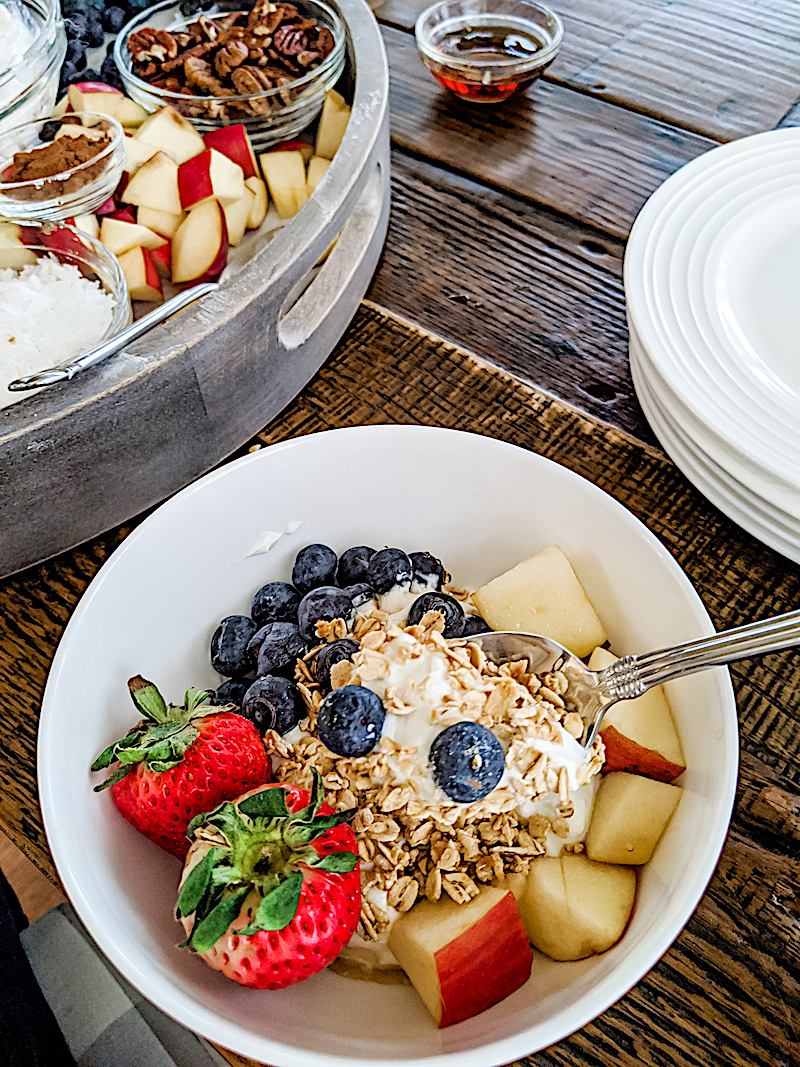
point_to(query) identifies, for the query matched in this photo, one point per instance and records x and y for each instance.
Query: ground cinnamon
(55, 159)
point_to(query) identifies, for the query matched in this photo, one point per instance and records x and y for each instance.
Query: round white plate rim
(729, 496)
(238, 1038)
(674, 337)
(773, 493)
(658, 212)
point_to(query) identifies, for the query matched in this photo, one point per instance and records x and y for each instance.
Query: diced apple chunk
(207, 175)
(119, 236)
(234, 142)
(258, 209)
(542, 595)
(137, 153)
(317, 167)
(87, 224)
(236, 216)
(155, 185)
(171, 133)
(163, 222)
(200, 246)
(141, 274)
(640, 735)
(13, 252)
(630, 815)
(332, 124)
(574, 907)
(285, 173)
(463, 958)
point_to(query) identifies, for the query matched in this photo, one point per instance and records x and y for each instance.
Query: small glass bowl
(24, 242)
(75, 191)
(269, 116)
(486, 50)
(29, 78)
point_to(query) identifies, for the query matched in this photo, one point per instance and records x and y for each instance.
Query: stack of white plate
(712, 284)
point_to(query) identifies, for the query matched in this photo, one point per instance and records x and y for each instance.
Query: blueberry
(113, 19)
(335, 652)
(273, 703)
(350, 720)
(315, 566)
(275, 602)
(359, 593)
(388, 568)
(90, 75)
(353, 565)
(190, 7)
(70, 73)
(468, 761)
(76, 53)
(229, 653)
(95, 34)
(109, 73)
(231, 692)
(275, 646)
(428, 570)
(75, 27)
(474, 624)
(325, 603)
(447, 605)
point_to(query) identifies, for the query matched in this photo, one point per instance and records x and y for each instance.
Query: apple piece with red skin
(105, 101)
(170, 132)
(258, 208)
(124, 214)
(96, 87)
(141, 274)
(162, 257)
(234, 142)
(639, 735)
(120, 236)
(200, 245)
(155, 184)
(13, 252)
(210, 175)
(107, 207)
(463, 958)
(305, 148)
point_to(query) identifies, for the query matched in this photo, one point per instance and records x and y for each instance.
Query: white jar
(32, 49)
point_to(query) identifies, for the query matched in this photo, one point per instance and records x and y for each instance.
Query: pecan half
(198, 72)
(152, 44)
(230, 57)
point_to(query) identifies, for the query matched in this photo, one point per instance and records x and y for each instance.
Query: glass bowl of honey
(486, 50)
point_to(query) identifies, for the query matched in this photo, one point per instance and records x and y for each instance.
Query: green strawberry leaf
(195, 698)
(197, 882)
(147, 699)
(105, 759)
(113, 778)
(270, 804)
(206, 933)
(302, 833)
(279, 907)
(224, 817)
(336, 863)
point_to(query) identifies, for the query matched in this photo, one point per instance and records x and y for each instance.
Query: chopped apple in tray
(155, 185)
(463, 958)
(210, 175)
(141, 274)
(639, 735)
(200, 246)
(171, 133)
(542, 595)
(285, 174)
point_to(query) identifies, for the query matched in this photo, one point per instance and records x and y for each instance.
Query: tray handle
(306, 314)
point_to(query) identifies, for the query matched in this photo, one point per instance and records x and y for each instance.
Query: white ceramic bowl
(481, 506)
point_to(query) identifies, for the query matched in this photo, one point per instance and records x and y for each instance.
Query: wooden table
(498, 307)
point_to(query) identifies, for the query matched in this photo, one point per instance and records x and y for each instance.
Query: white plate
(731, 497)
(481, 506)
(701, 367)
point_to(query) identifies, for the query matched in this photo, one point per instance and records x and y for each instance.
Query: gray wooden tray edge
(80, 459)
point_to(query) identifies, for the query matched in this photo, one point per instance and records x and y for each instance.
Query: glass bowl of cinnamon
(59, 169)
(265, 65)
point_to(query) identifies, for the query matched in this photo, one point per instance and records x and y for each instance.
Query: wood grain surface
(726, 992)
(723, 68)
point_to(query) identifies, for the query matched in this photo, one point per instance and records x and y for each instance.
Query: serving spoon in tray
(591, 693)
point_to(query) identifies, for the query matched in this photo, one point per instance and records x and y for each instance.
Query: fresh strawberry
(271, 891)
(179, 762)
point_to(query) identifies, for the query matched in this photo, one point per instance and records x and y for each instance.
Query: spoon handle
(632, 675)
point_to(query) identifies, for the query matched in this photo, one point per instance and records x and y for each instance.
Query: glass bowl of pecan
(60, 168)
(265, 65)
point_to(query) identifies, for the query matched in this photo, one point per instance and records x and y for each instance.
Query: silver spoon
(592, 692)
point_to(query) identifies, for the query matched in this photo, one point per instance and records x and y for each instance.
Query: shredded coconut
(48, 313)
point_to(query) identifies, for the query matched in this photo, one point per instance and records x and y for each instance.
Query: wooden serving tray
(79, 458)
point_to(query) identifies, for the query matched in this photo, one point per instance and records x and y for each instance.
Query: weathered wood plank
(586, 158)
(536, 294)
(723, 68)
(726, 993)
